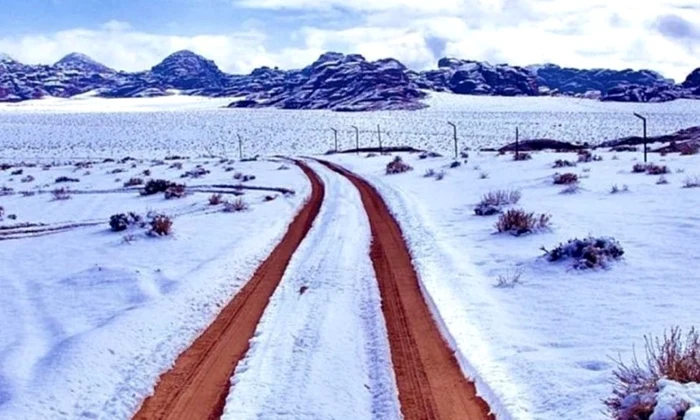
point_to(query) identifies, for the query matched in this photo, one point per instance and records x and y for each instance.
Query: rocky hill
(335, 81)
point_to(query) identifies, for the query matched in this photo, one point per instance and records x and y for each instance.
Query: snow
(544, 348)
(324, 353)
(674, 397)
(91, 320)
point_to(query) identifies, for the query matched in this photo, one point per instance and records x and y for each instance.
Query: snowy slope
(89, 320)
(543, 349)
(323, 353)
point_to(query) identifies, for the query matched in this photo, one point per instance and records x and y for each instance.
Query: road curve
(195, 388)
(430, 382)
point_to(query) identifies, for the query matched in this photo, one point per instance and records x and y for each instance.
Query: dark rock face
(334, 81)
(477, 78)
(687, 135)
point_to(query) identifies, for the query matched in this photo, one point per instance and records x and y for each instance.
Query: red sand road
(430, 382)
(197, 385)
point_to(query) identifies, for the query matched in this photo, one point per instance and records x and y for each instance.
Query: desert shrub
(671, 357)
(688, 149)
(561, 163)
(426, 155)
(692, 182)
(509, 280)
(371, 155)
(155, 186)
(235, 206)
(483, 175)
(571, 189)
(5, 166)
(17, 172)
(464, 154)
(522, 156)
(639, 168)
(175, 165)
(197, 172)
(4, 190)
(121, 221)
(397, 166)
(238, 175)
(175, 191)
(27, 178)
(215, 199)
(517, 222)
(2, 212)
(133, 182)
(247, 178)
(161, 225)
(429, 173)
(653, 169)
(146, 172)
(662, 180)
(455, 164)
(565, 178)
(616, 190)
(61, 193)
(175, 157)
(585, 156)
(493, 202)
(116, 171)
(587, 253)
(61, 179)
(283, 168)
(107, 160)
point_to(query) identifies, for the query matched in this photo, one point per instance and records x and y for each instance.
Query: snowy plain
(545, 349)
(90, 318)
(95, 127)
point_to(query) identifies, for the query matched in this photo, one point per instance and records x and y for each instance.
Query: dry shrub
(509, 280)
(657, 169)
(215, 199)
(517, 222)
(624, 149)
(175, 191)
(121, 222)
(155, 186)
(522, 156)
(27, 178)
(587, 253)
(146, 172)
(565, 178)
(197, 172)
(235, 206)
(561, 163)
(17, 172)
(161, 225)
(616, 190)
(4, 190)
(639, 168)
(283, 168)
(571, 189)
(692, 182)
(61, 193)
(176, 165)
(688, 149)
(662, 180)
(483, 175)
(133, 182)
(429, 173)
(494, 201)
(61, 179)
(397, 166)
(440, 176)
(669, 357)
(585, 156)
(455, 164)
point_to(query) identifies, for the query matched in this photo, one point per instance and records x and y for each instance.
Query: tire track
(197, 385)
(430, 382)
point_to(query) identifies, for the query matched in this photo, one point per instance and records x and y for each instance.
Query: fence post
(379, 135)
(517, 142)
(454, 128)
(644, 123)
(357, 139)
(240, 147)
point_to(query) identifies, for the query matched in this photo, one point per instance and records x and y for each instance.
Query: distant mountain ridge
(335, 81)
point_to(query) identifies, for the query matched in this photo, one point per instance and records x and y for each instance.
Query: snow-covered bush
(653, 169)
(509, 280)
(4, 190)
(522, 156)
(688, 149)
(235, 206)
(176, 165)
(585, 156)
(663, 386)
(133, 182)
(426, 155)
(121, 222)
(397, 166)
(565, 178)
(518, 222)
(624, 149)
(562, 163)
(197, 172)
(429, 173)
(146, 172)
(455, 164)
(155, 186)
(692, 182)
(17, 172)
(175, 191)
(616, 190)
(440, 176)
(61, 193)
(493, 202)
(572, 189)
(587, 253)
(662, 180)
(483, 175)
(27, 178)
(161, 225)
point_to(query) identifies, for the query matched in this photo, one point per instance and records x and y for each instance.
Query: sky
(240, 35)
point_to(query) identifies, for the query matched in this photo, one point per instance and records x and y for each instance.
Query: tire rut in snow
(196, 386)
(430, 382)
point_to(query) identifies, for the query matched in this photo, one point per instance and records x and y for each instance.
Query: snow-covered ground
(322, 352)
(544, 348)
(90, 317)
(145, 127)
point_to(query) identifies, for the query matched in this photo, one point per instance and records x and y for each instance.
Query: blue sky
(662, 35)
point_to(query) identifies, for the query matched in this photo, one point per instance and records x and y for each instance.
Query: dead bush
(61, 194)
(155, 186)
(175, 191)
(175, 165)
(585, 156)
(587, 253)
(639, 168)
(653, 169)
(397, 166)
(509, 280)
(493, 202)
(689, 149)
(671, 357)
(692, 182)
(565, 178)
(518, 222)
(235, 206)
(624, 149)
(161, 225)
(561, 163)
(17, 172)
(197, 172)
(455, 164)
(27, 179)
(215, 199)
(440, 176)
(133, 182)
(518, 157)
(429, 173)
(483, 175)
(616, 190)
(571, 189)
(146, 172)
(662, 180)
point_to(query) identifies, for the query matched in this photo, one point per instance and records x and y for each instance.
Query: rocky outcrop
(687, 135)
(477, 78)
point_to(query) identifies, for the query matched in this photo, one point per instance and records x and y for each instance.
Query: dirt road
(197, 385)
